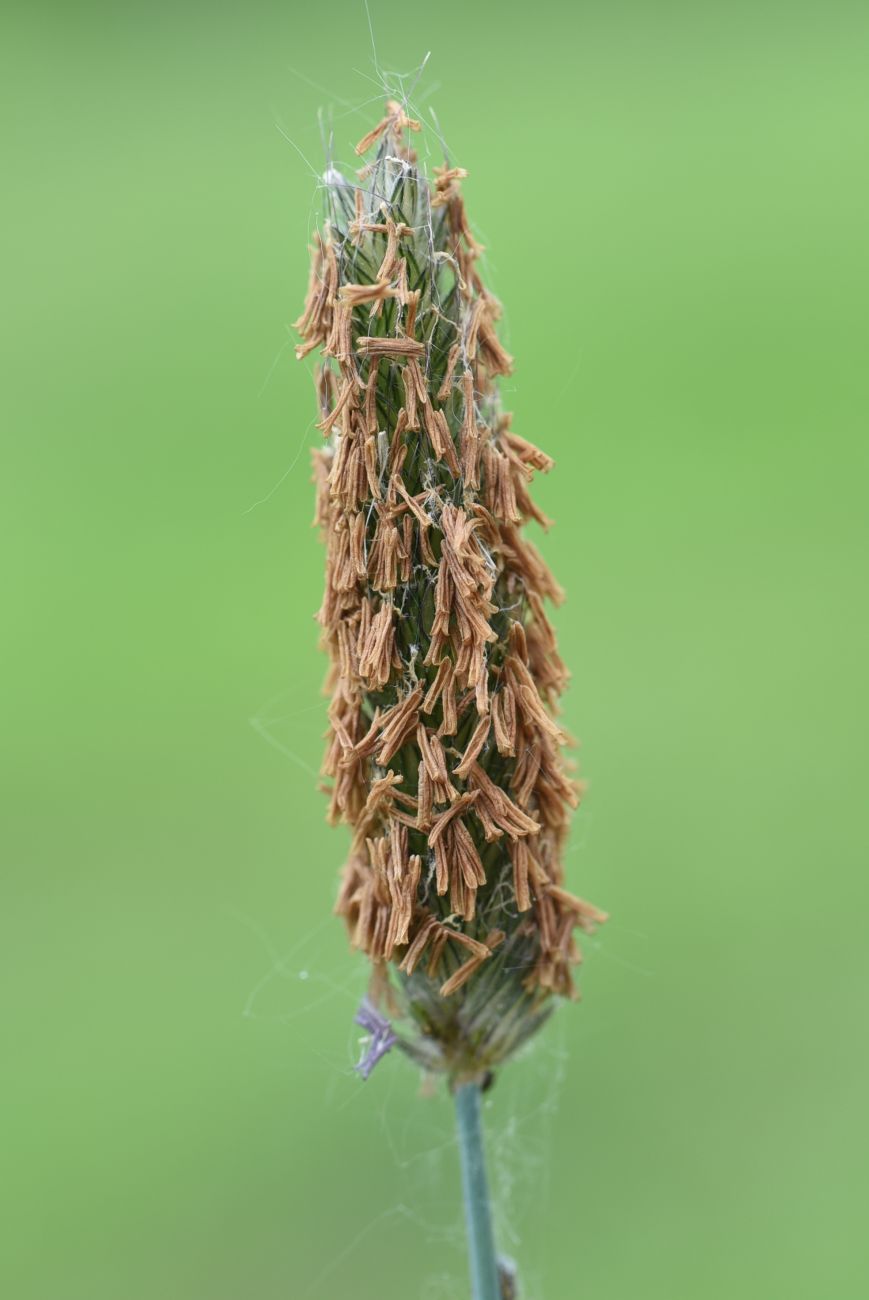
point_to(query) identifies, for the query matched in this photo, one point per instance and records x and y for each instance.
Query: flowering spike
(443, 752)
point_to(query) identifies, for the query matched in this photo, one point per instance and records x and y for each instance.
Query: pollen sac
(444, 754)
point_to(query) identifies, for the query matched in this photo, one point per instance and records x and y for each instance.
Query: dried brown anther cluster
(443, 752)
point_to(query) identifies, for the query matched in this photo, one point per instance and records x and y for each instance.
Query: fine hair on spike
(444, 754)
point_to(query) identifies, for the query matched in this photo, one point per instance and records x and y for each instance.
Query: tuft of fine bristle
(443, 751)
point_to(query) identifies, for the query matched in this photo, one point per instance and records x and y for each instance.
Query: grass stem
(478, 1213)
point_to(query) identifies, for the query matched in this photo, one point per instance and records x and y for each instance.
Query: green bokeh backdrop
(675, 201)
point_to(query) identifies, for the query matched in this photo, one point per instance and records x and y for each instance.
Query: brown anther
(377, 346)
(395, 120)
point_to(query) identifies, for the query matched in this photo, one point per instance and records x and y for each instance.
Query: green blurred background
(675, 201)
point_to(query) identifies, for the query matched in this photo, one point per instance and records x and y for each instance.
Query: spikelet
(444, 754)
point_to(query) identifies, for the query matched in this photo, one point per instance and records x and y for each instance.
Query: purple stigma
(381, 1037)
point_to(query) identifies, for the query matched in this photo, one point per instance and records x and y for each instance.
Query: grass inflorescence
(444, 754)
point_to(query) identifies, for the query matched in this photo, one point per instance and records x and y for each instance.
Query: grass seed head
(444, 754)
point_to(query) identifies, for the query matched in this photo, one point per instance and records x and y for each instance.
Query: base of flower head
(487, 1020)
